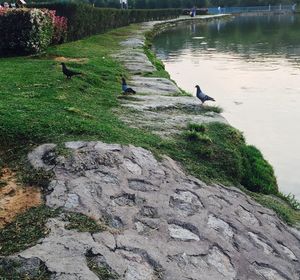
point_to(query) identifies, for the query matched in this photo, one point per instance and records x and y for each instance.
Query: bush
(258, 173)
(85, 20)
(60, 28)
(25, 31)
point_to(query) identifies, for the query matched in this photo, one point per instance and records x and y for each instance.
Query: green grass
(218, 152)
(216, 109)
(38, 104)
(82, 223)
(283, 209)
(25, 230)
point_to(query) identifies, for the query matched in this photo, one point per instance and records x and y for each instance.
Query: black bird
(126, 89)
(202, 96)
(69, 73)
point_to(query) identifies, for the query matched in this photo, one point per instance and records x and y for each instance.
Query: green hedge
(222, 153)
(25, 31)
(85, 20)
(258, 173)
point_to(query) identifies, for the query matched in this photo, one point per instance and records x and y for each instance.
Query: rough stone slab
(37, 157)
(163, 222)
(133, 43)
(156, 86)
(156, 93)
(136, 61)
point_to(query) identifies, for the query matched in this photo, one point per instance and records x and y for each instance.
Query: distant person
(294, 7)
(219, 10)
(193, 12)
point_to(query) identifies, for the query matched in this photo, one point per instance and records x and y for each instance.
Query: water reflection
(252, 66)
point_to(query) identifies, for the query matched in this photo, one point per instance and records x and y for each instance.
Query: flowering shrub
(25, 31)
(60, 28)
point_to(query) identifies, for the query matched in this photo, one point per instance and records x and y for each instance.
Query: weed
(83, 223)
(197, 127)
(290, 199)
(285, 212)
(35, 177)
(207, 108)
(102, 272)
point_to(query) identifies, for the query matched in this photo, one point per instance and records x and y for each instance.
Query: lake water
(251, 66)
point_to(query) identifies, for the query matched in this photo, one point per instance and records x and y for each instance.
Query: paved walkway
(159, 104)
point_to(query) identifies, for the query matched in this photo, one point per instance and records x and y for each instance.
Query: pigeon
(202, 96)
(69, 73)
(125, 88)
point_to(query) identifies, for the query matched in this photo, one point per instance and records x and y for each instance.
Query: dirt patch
(14, 198)
(69, 59)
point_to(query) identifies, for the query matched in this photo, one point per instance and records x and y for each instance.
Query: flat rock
(158, 101)
(163, 223)
(156, 86)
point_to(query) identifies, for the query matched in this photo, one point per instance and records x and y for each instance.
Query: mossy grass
(102, 272)
(25, 230)
(209, 108)
(12, 270)
(83, 223)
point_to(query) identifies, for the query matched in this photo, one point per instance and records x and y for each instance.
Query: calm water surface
(251, 66)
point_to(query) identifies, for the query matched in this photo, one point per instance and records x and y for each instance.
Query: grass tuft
(208, 108)
(102, 272)
(197, 127)
(83, 223)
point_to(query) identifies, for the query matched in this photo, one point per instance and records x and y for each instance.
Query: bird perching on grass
(69, 73)
(202, 96)
(126, 89)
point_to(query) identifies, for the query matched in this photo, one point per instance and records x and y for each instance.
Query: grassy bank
(38, 105)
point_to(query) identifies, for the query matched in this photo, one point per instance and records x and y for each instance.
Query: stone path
(158, 105)
(163, 223)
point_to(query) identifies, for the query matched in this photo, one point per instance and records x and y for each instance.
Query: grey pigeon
(125, 88)
(202, 96)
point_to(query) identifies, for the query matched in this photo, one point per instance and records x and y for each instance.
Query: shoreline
(285, 177)
(144, 37)
(121, 202)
